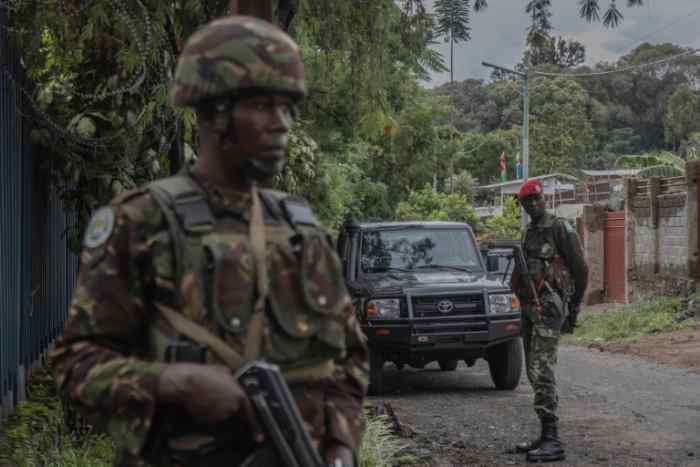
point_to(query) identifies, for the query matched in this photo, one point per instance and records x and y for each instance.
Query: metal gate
(37, 271)
(615, 258)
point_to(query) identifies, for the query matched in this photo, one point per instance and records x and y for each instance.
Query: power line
(630, 40)
(663, 28)
(619, 70)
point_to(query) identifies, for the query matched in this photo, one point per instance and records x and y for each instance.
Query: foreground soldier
(199, 246)
(557, 267)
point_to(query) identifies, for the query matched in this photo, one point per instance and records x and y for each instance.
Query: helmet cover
(236, 55)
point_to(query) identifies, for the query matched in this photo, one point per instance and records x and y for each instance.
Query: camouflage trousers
(541, 333)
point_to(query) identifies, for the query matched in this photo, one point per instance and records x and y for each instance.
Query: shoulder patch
(100, 228)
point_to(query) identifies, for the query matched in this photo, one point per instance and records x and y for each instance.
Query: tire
(506, 364)
(448, 365)
(376, 372)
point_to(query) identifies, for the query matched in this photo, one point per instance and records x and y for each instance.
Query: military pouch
(185, 351)
(228, 287)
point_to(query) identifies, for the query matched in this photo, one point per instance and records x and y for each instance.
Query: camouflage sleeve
(569, 246)
(345, 393)
(344, 396)
(96, 360)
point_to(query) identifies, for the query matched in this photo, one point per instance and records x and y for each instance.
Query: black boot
(528, 446)
(550, 449)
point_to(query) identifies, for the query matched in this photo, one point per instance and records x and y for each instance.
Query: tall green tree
(560, 127)
(453, 23)
(682, 115)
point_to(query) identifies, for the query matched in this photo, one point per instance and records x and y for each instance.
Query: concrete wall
(672, 234)
(661, 233)
(641, 233)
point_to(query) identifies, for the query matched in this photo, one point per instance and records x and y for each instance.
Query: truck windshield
(409, 249)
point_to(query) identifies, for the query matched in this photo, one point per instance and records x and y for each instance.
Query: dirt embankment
(677, 349)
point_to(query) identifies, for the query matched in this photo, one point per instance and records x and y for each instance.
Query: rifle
(521, 264)
(291, 445)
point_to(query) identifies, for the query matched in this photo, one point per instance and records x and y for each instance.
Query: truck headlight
(387, 308)
(503, 303)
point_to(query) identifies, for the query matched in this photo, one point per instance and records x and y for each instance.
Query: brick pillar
(594, 218)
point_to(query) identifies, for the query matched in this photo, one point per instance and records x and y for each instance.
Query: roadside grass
(35, 436)
(630, 322)
(380, 447)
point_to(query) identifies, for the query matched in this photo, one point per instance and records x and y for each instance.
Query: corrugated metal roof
(612, 172)
(520, 181)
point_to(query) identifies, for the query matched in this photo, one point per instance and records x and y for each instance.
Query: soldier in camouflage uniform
(247, 268)
(557, 267)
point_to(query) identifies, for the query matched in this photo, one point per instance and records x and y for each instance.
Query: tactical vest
(213, 270)
(544, 261)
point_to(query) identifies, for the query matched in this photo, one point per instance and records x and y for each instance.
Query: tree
(462, 183)
(453, 23)
(638, 100)
(506, 225)
(540, 26)
(475, 109)
(555, 51)
(428, 205)
(482, 150)
(560, 128)
(682, 115)
(590, 11)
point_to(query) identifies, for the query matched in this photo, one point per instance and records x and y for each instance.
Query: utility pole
(526, 123)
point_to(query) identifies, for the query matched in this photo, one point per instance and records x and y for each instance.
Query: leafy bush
(632, 321)
(427, 205)
(35, 435)
(505, 226)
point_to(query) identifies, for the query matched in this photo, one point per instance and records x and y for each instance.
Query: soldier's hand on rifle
(338, 455)
(569, 324)
(209, 393)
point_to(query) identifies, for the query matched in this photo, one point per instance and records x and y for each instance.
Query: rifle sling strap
(203, 336)
(233, 359)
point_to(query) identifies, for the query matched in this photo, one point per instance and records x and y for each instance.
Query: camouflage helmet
(236, 55)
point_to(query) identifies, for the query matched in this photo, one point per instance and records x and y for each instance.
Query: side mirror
(492, 263)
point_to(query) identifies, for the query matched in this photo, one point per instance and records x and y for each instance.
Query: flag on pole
(502, 167)
(518, 167)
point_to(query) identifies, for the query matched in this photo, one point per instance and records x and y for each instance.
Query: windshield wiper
(444, 266)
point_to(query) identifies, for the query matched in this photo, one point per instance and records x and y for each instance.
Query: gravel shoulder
(616, 410)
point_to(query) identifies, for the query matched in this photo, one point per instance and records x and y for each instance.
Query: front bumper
(421, 334)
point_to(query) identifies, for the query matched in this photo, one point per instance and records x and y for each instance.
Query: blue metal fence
(37, 271)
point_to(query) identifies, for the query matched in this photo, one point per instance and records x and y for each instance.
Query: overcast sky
(498, 33)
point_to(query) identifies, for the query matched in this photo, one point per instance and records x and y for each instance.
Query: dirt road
(616, 410)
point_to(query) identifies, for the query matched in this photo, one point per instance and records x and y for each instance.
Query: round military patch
(100, 228)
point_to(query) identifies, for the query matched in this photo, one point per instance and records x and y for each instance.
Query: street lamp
(526, 122)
